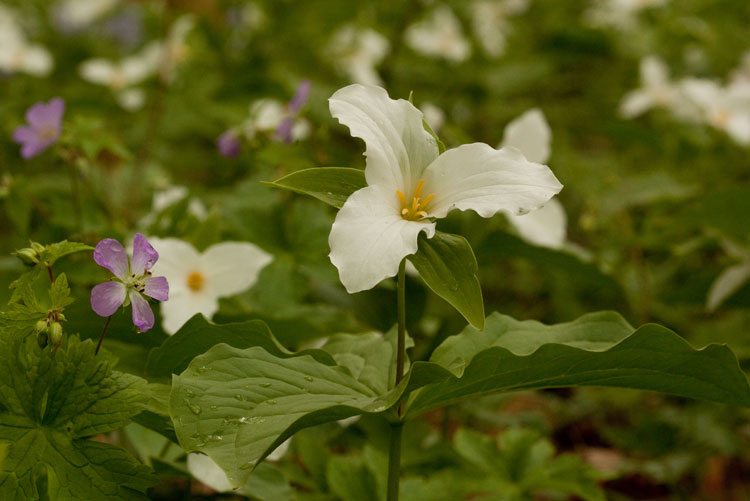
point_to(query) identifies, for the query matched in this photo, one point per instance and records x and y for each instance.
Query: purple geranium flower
(229, 144)
(284, 130)
(133, 280)
(43, 129)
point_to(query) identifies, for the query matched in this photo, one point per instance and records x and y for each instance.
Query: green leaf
(331, 185)
(50, 402)
(59, 293)
(350, 480)
(237, 405)
(598, 349)
(53, 252)
(448, 267)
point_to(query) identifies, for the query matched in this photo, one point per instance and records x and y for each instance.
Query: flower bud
(55, 333)
(37, 247)
(41, 326)
(27, 256)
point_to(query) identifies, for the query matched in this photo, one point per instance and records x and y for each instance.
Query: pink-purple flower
(43, 129)
(132, 281)
(229, 144)
(284, 130)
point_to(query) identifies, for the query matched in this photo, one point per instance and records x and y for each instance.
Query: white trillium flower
(356, 53)
(16, 53)
(433, 115)
(531, 135)
(490, 25)
(622, 14)
(74, 15)
(266, 115)
(409, 184)
(725, 108)
(656, 89)
(174, 48)
(198, 280)
(439, 35)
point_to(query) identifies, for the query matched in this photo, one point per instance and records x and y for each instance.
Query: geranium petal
(398, 148)
(110, 254)
(232, 267)
(107, 297)
(369, 238)
(25, 134)
(545, 227)
(157, 288)
(480, 178)
(143, 317)
(144, 255)
(182, 305)
(530, 134)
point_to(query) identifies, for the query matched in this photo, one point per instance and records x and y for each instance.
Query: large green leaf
(50, 403)
(448, 267)
(598, 349)
(331, 185)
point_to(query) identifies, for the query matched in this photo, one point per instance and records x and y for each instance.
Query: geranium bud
(55, 333)
(27, 256)
(41, 326)
(37, 247)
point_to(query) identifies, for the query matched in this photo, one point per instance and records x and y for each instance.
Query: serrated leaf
(53, 252)
(59, 293)
(50, 402)
(447, 265)
(598, 349)
(236, 405)
(331, 185)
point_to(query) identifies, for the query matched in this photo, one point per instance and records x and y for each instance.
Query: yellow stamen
(195, 281)
(414, 210)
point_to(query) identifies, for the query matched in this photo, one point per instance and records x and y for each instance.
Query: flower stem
(51, 275)
(394, 461)
(401, 306)
(101, 337)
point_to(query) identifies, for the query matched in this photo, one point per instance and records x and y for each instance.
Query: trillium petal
(143, 317)
(110, 254)
(182, 305)
(654, 71)
(545, 227)
(156, 287)
(144, 255)
(480, 178)
(232, 267)
(177, 259)
(369, 238)
(635, 102)
(398, 148)
(107, 297)
(531, 135)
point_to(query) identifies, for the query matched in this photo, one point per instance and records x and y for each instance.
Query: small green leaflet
(447, 265)
(331, 185)
(50, 403)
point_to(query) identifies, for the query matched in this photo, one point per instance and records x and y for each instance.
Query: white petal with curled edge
(480, 178)
(529, 133)
(545, 227)
(398, 148)
(369, 238)
(232, 267)
(182, 305)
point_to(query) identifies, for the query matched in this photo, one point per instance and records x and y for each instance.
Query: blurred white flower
(732, 278)
(439, 35)
(168, 197)
(433, 115)
(622, 14)
(265, 117)
(174, 48)
(741, 74)
(73, 15)
(723, 107)
(16, 53)
(356, 52)
(121, 77)
(546, 226)
(490, 24)
(197, 280)
(656, 89)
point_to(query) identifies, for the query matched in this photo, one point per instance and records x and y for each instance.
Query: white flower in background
(123, 76)
(265, 117)
(206, 471)
(433, 115)
(531, 134)
(409, 185)
(17, 55)
(439, 35)
(732, 278)
(74, 15)
(168, 197)
(174, 48)
(622, 14)
(741, 74)
(656, 89)
(197, 280)
(725, 108)
(356, 52)
(489, 20)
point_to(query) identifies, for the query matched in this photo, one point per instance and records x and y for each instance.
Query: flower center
(195, 281)
(415, 209)
(721, 118)
(47, 133)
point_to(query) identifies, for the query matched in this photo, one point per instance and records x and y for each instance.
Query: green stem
(394, 461)
(401, 306)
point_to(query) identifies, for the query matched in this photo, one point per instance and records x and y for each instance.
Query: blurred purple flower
(43, 129)
(284, 130)
(229, 144)
(133, 281)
